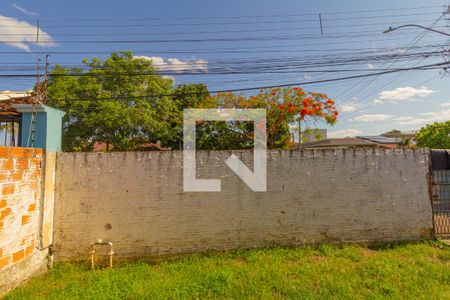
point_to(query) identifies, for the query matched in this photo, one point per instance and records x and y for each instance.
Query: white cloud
(372, 118)
(397, 50)
(348, 107)
(409, 120)
(24, 10)
(402, 94)
(445, 104)
(344, 133)
(401, 119)
(437, 116)
(424, 118)
(20, 34)
(176, 65)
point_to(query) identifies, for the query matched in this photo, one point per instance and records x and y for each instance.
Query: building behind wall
(10, 118)
(313, 135)
(26, 122)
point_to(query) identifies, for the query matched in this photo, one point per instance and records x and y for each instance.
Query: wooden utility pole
(300, 134)
(320, 21)
(37, 31)
(32, 130)
(44, 88)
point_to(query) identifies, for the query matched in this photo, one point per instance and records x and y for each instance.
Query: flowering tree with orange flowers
(285, 107)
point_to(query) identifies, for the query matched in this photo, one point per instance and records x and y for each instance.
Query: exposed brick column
(20, 188)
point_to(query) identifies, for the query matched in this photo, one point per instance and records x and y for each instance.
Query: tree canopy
(285, 107)
(436, 136)
(126, 117)
(123, 102)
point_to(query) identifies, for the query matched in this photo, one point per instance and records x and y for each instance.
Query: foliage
(396, 271)
(130, 115)
(188, 96)
(405, 140)
(392, 133)
(193, 96)
(127, 118)
(284, 107)
(435, 136)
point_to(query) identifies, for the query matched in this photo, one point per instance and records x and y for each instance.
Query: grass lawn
(418, 270)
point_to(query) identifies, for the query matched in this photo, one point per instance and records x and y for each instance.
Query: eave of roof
(339, 142)
(379, 139)
(13, 95)
(8, 98)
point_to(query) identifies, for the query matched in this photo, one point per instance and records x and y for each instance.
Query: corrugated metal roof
(9, 98)
(13, 95)
(379, 139)
(339, 142)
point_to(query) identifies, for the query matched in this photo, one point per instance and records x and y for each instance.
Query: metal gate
(440, 161)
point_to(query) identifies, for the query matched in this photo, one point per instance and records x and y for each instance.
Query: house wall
(135, 200)
(20, 223)
(48, 125)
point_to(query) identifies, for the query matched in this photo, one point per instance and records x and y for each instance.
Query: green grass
(418, 270)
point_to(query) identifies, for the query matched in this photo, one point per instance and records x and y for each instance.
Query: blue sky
(222, 33)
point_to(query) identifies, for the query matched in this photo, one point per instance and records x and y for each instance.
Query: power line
(336, 53)
(438, 65)
(222, 31)
(186, 40)
(248, 67)
(222, 23)
(252, 16)
(408, 47)
(194, 51)
(175, 73)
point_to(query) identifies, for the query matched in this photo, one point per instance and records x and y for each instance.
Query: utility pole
(37, 31)
(32, 132)
(320, 21)
(300, 140)
(44, 88)
(38, 78)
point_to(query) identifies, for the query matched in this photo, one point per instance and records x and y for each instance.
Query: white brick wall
(135, 199)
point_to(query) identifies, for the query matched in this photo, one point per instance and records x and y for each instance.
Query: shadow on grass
(326, 249)
(380, 246)
(348, 250)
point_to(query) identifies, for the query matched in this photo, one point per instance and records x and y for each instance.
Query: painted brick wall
(20, 187)
(135, 200)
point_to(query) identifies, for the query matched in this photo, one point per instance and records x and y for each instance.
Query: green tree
(392, 133)
(435, 136)
(193, 96)
(127, 118)
(209, 135)
(189, 96)
(129, 115)
(284, 107)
